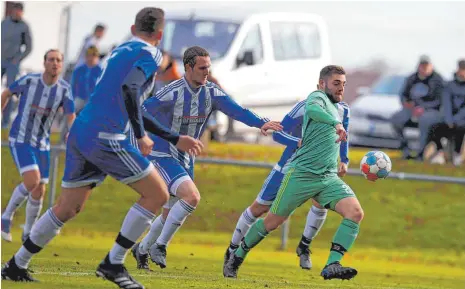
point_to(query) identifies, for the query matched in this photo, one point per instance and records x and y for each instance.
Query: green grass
(195, 260)
(412, 234)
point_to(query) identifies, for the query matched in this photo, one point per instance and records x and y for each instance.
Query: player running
(312, 173)
(40, 97)
(291, 138)
(97, 146)
(185, 106)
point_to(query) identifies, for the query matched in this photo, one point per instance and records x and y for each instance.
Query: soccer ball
(375, 165)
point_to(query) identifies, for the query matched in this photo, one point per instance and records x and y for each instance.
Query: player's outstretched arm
(315, 111)
(229, 107)
(289, 122)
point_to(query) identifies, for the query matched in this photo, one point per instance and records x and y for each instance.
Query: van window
(295, 40)
(253, 42)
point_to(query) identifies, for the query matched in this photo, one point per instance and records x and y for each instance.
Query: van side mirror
(247, 59)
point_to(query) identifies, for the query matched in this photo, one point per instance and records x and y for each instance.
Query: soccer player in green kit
(313, 174)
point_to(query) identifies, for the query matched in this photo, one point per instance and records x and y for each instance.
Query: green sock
(343, 239)
(254, 236)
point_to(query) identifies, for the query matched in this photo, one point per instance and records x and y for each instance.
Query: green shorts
(298, 187)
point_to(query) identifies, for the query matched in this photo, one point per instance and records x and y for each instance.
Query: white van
(266, 62)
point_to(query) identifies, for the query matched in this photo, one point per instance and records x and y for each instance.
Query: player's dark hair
(149, 20)
(52, 50)
(99, 27)
(191, 53)
(329, 70)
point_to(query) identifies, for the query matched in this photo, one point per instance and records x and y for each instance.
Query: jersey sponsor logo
(192, 119)
(42, 110)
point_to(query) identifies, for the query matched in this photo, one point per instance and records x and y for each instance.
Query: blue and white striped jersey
(186, 112)
(292, 131)
(38, 105)
(106, 110)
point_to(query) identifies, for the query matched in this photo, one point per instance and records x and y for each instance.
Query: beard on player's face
(331, 95)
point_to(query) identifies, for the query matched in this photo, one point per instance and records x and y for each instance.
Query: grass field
(411, 237)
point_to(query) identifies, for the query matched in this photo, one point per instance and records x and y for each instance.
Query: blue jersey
(106, 110)
(292, 131)
(186, 112)
(38, 105)
(83, 81)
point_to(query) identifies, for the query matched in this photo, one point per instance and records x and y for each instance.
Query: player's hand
(145, 145)
(341, 132)
(190, 145)
(342, 170)
(274, 125)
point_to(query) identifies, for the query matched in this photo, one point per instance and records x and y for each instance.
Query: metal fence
(56, 150)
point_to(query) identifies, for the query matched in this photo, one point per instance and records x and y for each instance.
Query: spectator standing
(91, 40)
(16, 45)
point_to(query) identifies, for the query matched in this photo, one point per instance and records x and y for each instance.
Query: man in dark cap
(421, 100)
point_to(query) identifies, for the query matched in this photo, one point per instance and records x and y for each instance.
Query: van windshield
(214, 36)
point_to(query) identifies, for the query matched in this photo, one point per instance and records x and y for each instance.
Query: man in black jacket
(421, 100)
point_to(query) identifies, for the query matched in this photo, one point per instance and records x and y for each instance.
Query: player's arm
(283, 137)
(6, 94)
(68, 108)
(131, 93)
(315, 109)
(228, 106)
(344, 149)
(15, 88)
(152, 125)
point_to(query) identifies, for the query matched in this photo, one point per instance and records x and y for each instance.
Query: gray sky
(359, 31)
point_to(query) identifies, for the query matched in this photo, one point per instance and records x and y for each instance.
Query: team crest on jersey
(208, 101)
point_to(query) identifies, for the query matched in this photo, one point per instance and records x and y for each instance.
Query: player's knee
(258, 209)
(38, 192)
(356, 214)
(193, 198)
(31, 182)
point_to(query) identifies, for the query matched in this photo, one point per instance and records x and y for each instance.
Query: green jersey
(319, 151)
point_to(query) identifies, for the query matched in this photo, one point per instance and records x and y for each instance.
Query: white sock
(18, 197)
(134, 225)
(46, 228)
(151, 237)
(33, 208)
(176, 217)
(315, 220)
(246, 220)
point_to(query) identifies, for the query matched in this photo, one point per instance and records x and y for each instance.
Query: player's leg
(315, 219)
(184, 188)
(260, 206)
(125, 163)
(28, 166)
(140, 251)
(295, 189)
(399, 120)
(339, 197)
(36, 198)
(76, 188)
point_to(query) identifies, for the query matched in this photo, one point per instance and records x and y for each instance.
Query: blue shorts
(29, 158)
(90, 158)
(270, 188)
(172, 172)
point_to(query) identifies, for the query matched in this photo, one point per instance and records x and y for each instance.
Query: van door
(297, 51)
